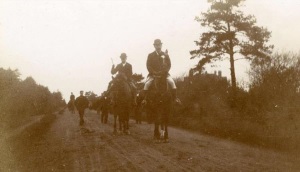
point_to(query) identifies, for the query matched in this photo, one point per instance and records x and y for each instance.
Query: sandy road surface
(64, 146)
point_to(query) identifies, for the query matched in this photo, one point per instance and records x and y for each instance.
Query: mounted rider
(159, 64)
(125, 69)
(71, 103)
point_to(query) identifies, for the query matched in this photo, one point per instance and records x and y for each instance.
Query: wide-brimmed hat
(123, 55)
(157, 42)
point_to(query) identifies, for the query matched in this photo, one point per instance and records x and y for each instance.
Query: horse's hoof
(166, 141)
(157, 140)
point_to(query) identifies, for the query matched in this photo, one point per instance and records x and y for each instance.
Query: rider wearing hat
(123, 68)
(159, 63)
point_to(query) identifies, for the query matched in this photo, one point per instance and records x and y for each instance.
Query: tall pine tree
(230, 34)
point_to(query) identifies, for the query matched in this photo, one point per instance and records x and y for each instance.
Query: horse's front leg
(115, 124)
(156, 128)
(156, 131)
(120, 123)
(165, 123)
(162, 130)
(126, 122)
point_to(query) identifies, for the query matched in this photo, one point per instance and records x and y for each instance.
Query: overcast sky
(68, 45)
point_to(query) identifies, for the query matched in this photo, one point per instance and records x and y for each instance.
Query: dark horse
(122, 97)
(159, 102)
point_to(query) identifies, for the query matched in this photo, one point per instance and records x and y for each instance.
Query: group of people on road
(81, 103)
(158, 64)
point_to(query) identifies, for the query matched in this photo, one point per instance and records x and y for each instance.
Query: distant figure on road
(105, 107)
(81, 104)
(72, 97)
(71, 104)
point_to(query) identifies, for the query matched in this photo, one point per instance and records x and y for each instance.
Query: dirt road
(64, 146)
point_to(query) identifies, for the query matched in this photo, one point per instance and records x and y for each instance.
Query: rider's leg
(171, 82)
(147, 86)
(173, 88)
(81, 113)
(148, 83)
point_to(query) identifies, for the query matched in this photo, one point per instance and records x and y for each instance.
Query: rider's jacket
(158, 62)
(105, 104)
(123, 68)
(81, 103)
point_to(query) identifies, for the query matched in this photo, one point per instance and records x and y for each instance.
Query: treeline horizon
(22, 99)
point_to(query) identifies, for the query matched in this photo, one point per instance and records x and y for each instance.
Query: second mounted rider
(159, 64)
(125, 69)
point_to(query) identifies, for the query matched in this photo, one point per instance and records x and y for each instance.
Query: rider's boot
(174, 96)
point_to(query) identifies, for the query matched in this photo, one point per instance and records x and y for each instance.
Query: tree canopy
(230, 34)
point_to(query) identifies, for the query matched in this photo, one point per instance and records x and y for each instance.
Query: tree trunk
(232, 72)
(232, 69)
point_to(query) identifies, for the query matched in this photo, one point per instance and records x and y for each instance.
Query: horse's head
(120, 88)
(121, 77)
(160, 84)
(159, 89)
(117, 81)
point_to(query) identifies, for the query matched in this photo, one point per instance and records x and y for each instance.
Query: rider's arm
(167, 66)
(114, 69)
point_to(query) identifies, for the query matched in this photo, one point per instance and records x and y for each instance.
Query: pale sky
(67, 45)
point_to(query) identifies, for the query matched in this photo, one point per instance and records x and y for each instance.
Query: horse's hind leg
(120, 123)
(156, 131)
(166, 135)
(126, 122)
(115, 124)
(165, 122)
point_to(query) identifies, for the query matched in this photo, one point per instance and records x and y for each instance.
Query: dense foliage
(266, 114)
(21, 99)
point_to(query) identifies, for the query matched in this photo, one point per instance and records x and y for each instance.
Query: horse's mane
(120, 88)
(159, 90)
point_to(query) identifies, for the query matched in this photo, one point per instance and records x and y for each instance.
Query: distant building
(193, 74)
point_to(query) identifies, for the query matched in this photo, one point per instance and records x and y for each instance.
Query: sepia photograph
(149, 85)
